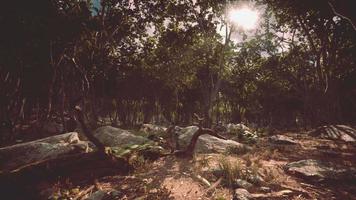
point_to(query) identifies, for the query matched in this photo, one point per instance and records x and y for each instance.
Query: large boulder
(18, 155)
(116, 137)
(316, 170)
(206, 143)
(335, 132)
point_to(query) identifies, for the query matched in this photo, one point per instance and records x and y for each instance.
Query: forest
(178, 99)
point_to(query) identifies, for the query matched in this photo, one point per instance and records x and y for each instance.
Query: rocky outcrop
(206, 143)
(335, 132)
(315, 170)
(116, 137)
(15, 156)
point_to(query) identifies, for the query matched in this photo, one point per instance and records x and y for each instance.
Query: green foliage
(220, 198)
(153, 61)
(137, 154)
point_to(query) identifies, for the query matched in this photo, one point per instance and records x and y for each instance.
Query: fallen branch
(213, 186)
(189, 150)
(84, 165)
(84, 192)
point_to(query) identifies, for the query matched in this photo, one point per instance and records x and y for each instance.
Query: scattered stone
(242, 132)
(241, 194)
(116, 137)
(265, 189)
(104, 194)
(282, 140)
(255, 179)
(318, 171)
(233, 128)
(17, 155)
(152, 191)
(115, 193)
(152, 128)
(206, 143)
(98, 195)
(335, 132)
(240, 183)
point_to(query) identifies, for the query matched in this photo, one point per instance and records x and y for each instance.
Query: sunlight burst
(244, 17)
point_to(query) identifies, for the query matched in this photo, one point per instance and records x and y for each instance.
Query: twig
(213, 186)
(84, 192)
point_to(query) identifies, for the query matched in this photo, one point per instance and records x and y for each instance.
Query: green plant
(220, 198)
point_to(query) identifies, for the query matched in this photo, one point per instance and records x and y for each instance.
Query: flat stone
(318, 171)
(240, 183)
(241, 194)
(282, 140)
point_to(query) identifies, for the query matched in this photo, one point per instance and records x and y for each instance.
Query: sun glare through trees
(244, 17)
(178, 99)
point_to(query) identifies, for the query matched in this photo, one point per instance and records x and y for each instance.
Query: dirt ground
(173, 178)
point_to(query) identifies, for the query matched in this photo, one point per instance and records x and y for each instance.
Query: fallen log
(79, 167)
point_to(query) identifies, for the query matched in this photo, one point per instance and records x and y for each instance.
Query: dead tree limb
(87, 132)
(343, 9)
(189, 150)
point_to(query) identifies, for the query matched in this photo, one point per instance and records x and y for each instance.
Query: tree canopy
(163, 60)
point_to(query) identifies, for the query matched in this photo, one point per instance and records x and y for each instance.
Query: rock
(14, 156)
(255, 179)
(241, 194)
(235, 128)
(265, 189)
(98, 195)
(105, 121)
(152, 128)
(206, 143)
(242, 132)
(116, 137)
(104, 194)
(240, 183)
(335, 132)
(318, 171)
(282, 140)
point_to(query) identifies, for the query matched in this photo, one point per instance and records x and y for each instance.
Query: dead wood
(189, 150)
(86, 130)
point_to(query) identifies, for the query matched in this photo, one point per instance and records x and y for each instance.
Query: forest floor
(173, 178)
